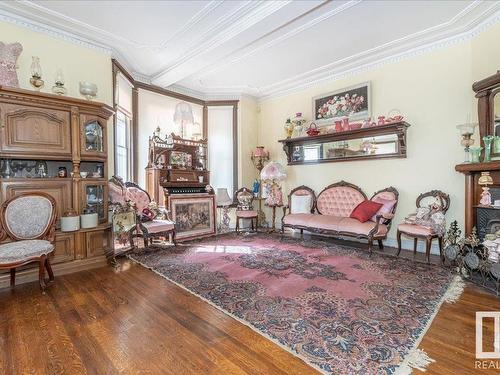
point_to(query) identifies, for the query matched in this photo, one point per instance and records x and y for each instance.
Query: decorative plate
(451, 252)
(471, 260)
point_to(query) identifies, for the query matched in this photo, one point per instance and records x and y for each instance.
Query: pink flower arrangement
(341, 106)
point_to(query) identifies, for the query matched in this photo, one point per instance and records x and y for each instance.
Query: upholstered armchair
(155, 228)
(29, 221)
(244, 208)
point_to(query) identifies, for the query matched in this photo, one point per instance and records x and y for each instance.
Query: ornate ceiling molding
(473, 20)
(389, 53)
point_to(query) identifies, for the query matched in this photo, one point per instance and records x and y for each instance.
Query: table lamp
(224, 201)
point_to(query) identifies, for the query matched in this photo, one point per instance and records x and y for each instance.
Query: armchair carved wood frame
(28, 219)
(427, 235)
(151, 229)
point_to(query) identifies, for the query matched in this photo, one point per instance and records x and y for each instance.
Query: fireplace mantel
(472, 172)
(468, 168)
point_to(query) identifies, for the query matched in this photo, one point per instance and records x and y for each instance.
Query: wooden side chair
(418, 231)
(244, 208)
(148, 230)
(29, 221)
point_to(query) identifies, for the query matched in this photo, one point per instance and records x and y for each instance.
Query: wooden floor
(132, 321)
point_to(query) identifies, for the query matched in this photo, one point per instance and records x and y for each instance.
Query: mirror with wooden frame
(488, 108)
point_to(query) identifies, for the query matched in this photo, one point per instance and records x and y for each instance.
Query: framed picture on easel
(194, 215)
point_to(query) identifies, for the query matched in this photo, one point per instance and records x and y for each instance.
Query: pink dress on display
(9, 54)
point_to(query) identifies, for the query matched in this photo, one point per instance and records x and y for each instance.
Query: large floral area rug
(340, 310)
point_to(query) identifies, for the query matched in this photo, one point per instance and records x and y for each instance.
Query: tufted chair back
(29, 216)
(137, 195)
(339, 199)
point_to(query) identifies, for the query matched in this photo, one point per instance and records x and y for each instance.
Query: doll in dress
(9, 54)
(485, 196)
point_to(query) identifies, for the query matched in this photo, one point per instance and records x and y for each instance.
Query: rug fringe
(455, 290)
(416, 359)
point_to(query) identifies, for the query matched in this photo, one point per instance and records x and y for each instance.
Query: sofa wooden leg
(370, 245)
(415, 243)
(302, 233)
(380, 244)
(398, 235)
(428, 242)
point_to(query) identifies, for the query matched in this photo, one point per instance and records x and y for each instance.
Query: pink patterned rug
(338, 309)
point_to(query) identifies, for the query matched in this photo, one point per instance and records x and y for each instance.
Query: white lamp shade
(273, 171)
(222, 197)
(183, 113)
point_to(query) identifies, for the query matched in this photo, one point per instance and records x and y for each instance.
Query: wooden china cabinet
(41, 134)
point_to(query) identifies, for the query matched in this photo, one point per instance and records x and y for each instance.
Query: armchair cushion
(247, 214)
(156, 226)
(365, 210)
(19, 251)
(301, 204)
(414, 229)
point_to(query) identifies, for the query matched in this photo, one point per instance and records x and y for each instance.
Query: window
(123, 154)
(123, 128)
(221, 156)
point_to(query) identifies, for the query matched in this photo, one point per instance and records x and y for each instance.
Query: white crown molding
(39, 27)
(380, 56)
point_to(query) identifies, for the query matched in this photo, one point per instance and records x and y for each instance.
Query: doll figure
(256, 188)
(485, 196)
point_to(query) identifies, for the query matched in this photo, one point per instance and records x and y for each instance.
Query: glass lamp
(259, 157)
(466, 131)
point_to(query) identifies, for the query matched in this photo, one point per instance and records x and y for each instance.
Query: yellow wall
(433, 92)
(78, 63)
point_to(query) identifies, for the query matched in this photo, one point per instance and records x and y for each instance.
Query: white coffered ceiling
(260, 48)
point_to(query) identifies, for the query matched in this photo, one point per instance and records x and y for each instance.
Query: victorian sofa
(330, 212)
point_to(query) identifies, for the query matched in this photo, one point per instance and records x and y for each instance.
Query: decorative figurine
(289, 128)
(63, 172)
(256, 188)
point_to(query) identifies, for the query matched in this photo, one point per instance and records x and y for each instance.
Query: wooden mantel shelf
(468, 168)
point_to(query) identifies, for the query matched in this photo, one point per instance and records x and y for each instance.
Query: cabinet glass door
(94, 137)
(95, 199)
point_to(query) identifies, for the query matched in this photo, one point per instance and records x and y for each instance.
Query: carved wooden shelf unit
(58, 129)
(359, 144)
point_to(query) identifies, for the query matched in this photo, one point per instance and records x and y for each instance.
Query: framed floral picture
(194, 215)
(353, 102)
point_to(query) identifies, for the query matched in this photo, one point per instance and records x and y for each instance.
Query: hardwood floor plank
(132, 321)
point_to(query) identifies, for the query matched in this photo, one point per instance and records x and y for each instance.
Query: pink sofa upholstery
(330, 211)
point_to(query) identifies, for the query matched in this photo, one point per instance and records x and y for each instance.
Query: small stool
(416, 232)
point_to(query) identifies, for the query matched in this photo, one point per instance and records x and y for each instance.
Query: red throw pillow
(365, 210)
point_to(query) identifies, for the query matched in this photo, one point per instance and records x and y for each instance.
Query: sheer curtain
(220, 147)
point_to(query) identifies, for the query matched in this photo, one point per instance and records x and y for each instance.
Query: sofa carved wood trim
(371, 236)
